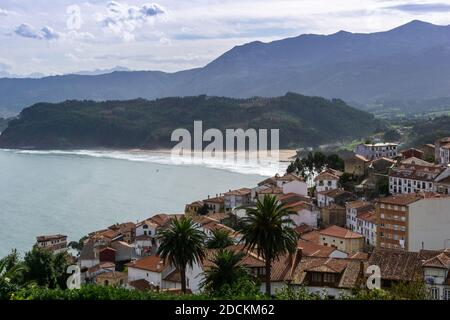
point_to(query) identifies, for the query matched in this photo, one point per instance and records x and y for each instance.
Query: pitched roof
(299, 205)
(350, 271)
(112, 275)
(334, 206)
(314, 249)
(357, 204)
(103, 265)
(312, 236)
(51, 237)
(442, 260)
(174, 276)
(150, 263)
(238, 192)
(405, 199)
(293, 197)
(141, 285)
(414, 160)
(303, 228)
(397, 265)
(271, 190)
(334, 193)
(219, 200)
(325, 175)
(338, 232)
(250, 259)
(369, 216)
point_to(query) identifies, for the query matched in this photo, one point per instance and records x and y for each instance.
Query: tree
(10, 272)
(268, 229)
(227, 270)
(315, 162)
(182, 244)
(78, 245)
(39, 267)
(220, 239)
(392, 135)
(203, 210)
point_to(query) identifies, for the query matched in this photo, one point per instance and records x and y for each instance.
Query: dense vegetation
(303, 121)
(428, 131)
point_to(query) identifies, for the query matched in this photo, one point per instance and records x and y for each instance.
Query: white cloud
(123, 20)
(28, 31)
(49, 34)
(3, 12)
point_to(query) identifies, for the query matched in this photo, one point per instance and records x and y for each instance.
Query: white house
(237, 198)
(411, 178)
(366, 224)
(326, 180)
(352, 209)
(155, 271)
(437, 275)
(306, 213)
(377, 150)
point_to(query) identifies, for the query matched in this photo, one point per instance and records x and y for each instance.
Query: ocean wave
(263, 167)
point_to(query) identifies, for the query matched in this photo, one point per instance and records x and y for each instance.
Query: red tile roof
(338, 232)
(150, 263)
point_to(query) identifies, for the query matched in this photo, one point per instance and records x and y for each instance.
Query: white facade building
(377, 150)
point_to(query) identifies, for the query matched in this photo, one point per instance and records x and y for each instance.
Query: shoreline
(285, 155)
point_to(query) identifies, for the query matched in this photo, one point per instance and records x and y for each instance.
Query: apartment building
(410, 178)
(374, 151)
(442, 151)
(413, 221)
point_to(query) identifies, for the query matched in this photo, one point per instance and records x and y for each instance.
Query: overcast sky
(63, 36)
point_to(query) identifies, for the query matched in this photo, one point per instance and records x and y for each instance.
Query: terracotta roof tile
(338, 232)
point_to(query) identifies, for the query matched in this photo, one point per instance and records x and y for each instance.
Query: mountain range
(406, 63)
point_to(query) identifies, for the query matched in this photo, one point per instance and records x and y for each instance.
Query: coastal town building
(341, 239)
(305, 213)
(156, 272)
(327, 180)
(337, 196)
(442, 151)
(353, 209)
(127, 230)
(55, 243)
(366, 224)
(333, 214)
(412, 153)
(237, 198)
(329, 277)
(356, 165)
(373, 151)
(436, 271)
(215, 204)
(396, 266)
(114, 278)
(413, 221)
(192, 208)
(410, 178)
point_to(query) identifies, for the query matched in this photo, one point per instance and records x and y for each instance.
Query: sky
(41, 37)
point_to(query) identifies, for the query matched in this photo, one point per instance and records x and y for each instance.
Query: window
(328, 278)
(316, 277)
(447, 294)
(434, 293)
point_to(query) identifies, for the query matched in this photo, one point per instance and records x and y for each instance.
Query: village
(392, 211)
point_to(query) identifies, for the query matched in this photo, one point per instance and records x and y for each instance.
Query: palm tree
(226, 270)
(10, 272)
(182, 244)
(220, 239)
(269, 230)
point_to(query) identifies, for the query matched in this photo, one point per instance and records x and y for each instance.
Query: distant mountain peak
(415, 25)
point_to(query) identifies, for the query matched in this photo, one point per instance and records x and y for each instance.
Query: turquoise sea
(76, 192)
